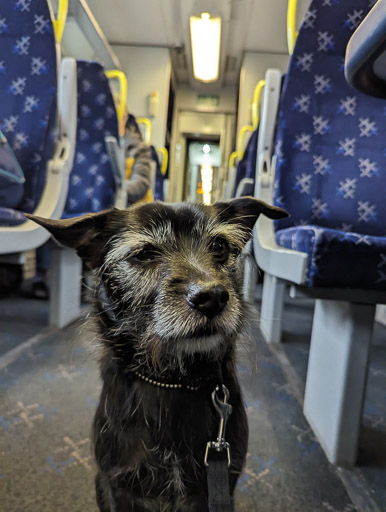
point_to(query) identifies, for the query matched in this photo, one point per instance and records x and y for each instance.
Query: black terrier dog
(168, 310)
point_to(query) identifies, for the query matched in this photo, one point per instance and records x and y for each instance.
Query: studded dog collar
(165, 385)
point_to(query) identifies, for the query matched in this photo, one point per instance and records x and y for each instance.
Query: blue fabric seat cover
(92, 182)
(330, 150)
(11, 176)
(28, 79)
(338, 259)
(159, 178)
(246, 167)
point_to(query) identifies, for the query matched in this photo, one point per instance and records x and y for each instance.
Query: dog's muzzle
(208, 299)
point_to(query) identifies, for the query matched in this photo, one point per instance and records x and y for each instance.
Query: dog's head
(167, 274)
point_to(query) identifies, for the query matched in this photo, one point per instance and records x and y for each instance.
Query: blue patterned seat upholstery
(10, 217)
(159, 178)
(247, 166)
(338, 259)
(330, 149)
(92, 181)
(28, 80)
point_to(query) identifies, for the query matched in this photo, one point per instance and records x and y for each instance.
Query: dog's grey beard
(163, 350)
(185, 332)
(165, 355)
(168, 351)
(177, 353)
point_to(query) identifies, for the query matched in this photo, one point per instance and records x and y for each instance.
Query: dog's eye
(220, 249)
(147, 254)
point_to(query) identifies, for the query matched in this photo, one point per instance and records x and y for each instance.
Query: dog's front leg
(120, 501)
(102, 491)
(110, 499)
(192, 504)
(116, 499)
(113, 500)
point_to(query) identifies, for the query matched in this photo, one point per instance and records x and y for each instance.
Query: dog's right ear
(86, 234)
(245, 211)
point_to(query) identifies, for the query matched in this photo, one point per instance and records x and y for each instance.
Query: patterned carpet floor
(50, 390)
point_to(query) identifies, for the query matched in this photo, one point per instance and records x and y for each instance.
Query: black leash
(218, 458)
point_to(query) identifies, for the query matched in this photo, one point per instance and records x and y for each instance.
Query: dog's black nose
(209, 300)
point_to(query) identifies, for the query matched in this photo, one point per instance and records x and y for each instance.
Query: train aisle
(50, 390)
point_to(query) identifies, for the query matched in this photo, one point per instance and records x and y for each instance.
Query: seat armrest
(269, 110)
(67, 99)
(166, 189)
(245, 187)
(153, 175)
(230, 183)
(117, 158)
(284, 263)
(365, 60)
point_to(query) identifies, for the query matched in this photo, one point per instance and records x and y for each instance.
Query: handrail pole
(60, 22)
(121, 77)
(147, 123)
(292, 33)
(165, 158)
(255, 104)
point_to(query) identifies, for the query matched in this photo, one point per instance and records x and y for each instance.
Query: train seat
(245, 174)
(36, 103)
(158, 182)
(328, 172)
(93, 181)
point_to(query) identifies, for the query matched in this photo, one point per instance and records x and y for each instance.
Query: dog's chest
(177, 420)
(175, 428)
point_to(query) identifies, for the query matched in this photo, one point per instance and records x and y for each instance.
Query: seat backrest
(246, 167)
(330, 138)
(28, 81)
(92, 181)
(159, 178)
(252, 154)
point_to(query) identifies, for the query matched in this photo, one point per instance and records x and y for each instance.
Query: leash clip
(224, 410)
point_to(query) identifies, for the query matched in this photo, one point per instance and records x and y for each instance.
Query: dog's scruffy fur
(168, 309)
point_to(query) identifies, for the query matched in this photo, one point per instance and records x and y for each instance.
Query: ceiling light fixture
(205, 35)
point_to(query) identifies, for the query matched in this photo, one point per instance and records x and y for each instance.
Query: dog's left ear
(245, 211)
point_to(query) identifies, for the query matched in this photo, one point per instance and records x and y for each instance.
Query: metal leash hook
(224, 410)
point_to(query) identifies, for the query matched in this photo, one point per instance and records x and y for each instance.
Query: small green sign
(204, 100)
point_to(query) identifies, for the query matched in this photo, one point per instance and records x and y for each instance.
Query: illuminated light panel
(205, 34)
(207, 183)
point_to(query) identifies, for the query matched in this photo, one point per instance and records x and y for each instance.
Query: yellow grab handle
(121, 77)
(129, 166)
(240, 149)
(291, 25)
(255, 104)
(147, 123)
(232, 159)
(60, 22)
(165, 158)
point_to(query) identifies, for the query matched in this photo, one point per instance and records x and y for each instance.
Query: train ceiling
(247, 25)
